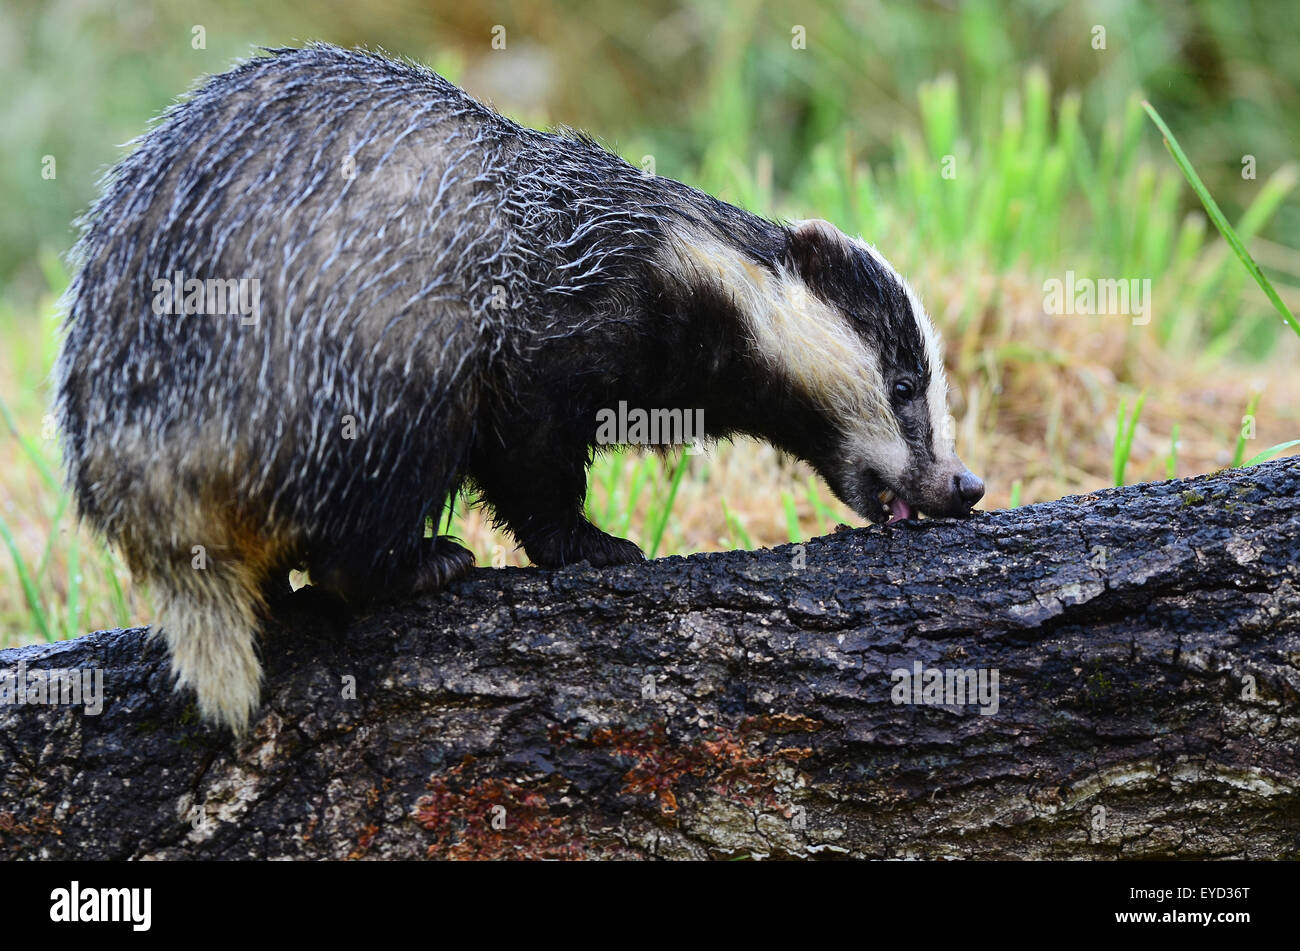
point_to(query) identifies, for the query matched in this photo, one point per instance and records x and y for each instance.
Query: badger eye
(904, 390)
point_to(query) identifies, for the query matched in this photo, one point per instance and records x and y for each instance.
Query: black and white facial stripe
(881, 307)
(846, 331)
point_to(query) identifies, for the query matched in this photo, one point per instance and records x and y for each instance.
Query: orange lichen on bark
(725, 761)
(492, 819)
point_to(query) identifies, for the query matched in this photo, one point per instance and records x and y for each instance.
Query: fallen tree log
(1145, 643)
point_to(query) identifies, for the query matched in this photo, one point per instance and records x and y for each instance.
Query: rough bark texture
(1147, 642)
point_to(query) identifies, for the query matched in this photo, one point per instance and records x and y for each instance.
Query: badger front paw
(582, 542)
(606, 549)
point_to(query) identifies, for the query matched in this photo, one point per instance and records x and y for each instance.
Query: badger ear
(811, 245)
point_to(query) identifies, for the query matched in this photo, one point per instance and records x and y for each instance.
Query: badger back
(347, 209)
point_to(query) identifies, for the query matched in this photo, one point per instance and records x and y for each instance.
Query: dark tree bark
(1146, 642)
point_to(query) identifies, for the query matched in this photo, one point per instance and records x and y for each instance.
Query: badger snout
(948, 491)
(967, 489)
(941, 491)
(956, 494)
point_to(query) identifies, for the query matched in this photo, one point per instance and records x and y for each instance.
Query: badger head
(857, 364)
(853, 339)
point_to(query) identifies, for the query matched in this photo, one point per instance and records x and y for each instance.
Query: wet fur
(470, 297)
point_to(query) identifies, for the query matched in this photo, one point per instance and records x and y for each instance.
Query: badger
(416, 296)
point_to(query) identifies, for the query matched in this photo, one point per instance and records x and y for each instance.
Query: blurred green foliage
(700, 87)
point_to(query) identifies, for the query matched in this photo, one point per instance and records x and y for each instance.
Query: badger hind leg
(209, 621)
(428, 565)
(442, 560)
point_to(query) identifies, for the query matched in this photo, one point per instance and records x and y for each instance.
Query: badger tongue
(898, 509)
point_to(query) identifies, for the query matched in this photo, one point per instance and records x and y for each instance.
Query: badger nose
(967, 487)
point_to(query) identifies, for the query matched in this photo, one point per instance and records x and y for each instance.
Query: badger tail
(209, 620)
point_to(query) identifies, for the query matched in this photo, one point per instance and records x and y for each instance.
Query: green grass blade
(791, 518)
(1116, 466)
(25, 579)
(43, 565)
(639, 476)
(1270, 452)
(120, 612)
(613, 466)
(661, 522)
(450, 516)
(1124, 436)
(72, 616)
(736, 527)
(1015, 495)
(30, 449)
(1132, 426)
(1171, 462)
(820, 509)
(1220, 222)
